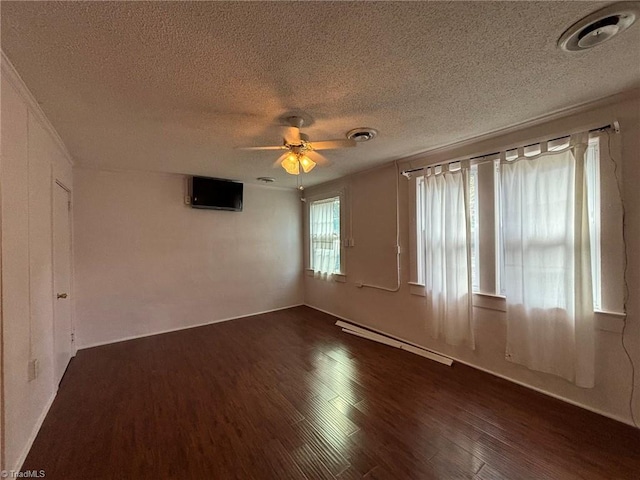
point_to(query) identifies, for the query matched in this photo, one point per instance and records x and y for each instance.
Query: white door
(62, 340)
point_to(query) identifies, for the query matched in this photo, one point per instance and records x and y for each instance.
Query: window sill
(490, 301)
(336, 277)
(609, 321)
(481, 300)
(417, 289)
(603, 320)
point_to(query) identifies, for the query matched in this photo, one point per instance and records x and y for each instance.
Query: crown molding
(11, 74)
(131, 171)
(628, 95)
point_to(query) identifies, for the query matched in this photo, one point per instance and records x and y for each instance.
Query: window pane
(550, 240)
(324, 235)
(592, 171)
(420, 228)
(499, 237)
(475, 228)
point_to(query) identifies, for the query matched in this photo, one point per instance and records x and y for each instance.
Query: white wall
(33, 158)
(403, 314)
(145, 262)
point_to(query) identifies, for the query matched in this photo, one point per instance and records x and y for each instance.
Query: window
(420, 229)
(445, 241)
(473, 214)
(527, 222)
(592, 171)
(474, 228)
(487, 243)
(324, 235)
(498, 243)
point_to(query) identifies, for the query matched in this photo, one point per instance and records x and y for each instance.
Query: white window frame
(419, 231)
(593, 159)
(418, 263)
(310, 200)
(607, 242)
(498, 239)
(474, 234)
(592, 170)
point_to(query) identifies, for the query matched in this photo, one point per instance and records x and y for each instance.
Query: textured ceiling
(175, 86)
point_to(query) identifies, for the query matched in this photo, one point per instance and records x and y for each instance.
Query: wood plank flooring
(287, 395)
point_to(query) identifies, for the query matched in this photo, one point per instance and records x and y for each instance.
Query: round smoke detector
(362, 134)
(599, 26)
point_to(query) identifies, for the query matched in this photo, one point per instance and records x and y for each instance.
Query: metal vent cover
(599, 26)
(362, 134)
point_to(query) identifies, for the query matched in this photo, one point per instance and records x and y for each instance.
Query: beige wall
(32, 160)
(146, 263)
(403, 314)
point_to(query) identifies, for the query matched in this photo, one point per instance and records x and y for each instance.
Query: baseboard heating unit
(392, 342)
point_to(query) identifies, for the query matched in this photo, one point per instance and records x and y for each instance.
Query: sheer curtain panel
(447, 268)
(547, 265)
(324, 223)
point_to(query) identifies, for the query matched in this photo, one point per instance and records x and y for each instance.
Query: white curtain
(547, 269)
(324, 223)
(447, 257)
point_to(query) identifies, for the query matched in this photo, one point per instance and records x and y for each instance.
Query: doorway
(62, 327)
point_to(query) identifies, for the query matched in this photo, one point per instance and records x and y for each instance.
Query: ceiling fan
(300, 152)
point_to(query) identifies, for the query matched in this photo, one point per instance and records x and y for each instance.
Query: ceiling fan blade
(270, 147)
(333, 144)
(278, 162)
(318, 158)
(292, 136)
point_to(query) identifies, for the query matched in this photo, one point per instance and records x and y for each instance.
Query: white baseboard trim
(486, 370)
(34, 433)
(169, 330)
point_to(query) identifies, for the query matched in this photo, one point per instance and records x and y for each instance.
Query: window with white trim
(474, 234)
(324, 235)
(420, 229)
(592, 170)
(489, 240)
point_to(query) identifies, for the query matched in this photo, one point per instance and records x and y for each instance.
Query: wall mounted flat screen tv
(216, 194)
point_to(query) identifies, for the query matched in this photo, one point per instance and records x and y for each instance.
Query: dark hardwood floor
(287, 395)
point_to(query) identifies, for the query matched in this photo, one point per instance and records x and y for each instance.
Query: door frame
(55, 184)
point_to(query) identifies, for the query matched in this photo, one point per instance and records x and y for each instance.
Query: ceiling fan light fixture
(291, 164)
(301, 153)
(306, 163)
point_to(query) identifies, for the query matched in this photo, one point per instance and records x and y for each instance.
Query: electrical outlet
(359, 284)
(32, 373)
(187, 200)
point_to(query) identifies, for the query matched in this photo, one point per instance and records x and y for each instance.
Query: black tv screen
(216, 194)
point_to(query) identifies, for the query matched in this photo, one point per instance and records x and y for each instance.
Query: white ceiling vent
(599, 26)
(362, 134)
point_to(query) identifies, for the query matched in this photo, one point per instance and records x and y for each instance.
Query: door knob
(62, 295)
